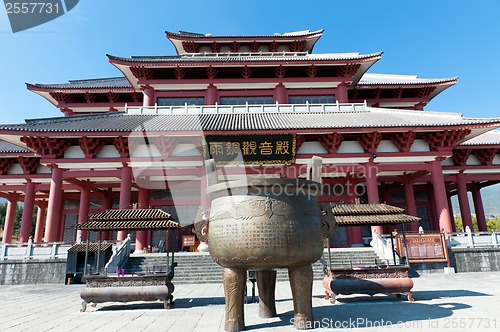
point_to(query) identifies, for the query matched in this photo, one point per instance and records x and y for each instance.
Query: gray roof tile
(389, 79)
(368, 118)
(186, 34)
(6, 147)
(488, 138)
(231, 57)
(98, 83)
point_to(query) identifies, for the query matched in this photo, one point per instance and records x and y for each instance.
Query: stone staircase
(199, 267)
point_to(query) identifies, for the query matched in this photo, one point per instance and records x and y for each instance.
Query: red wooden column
(280, 94)
(411, 207)
(83, 213)
(432, 211)
(341, 93)
(40, 221)
(107, 203)
(211, 95)
(10, 217)
(62, 221)
(141, 237)
(54, 207)
(440, 199)
(479, 208)
(463, 200)
(125, 194)
(354, 232)
(27, 218)
(149, 96)
(372, 189)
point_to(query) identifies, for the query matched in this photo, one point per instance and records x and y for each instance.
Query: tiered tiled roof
(388, 79)
(245, 57)
(370, 214)
(306, 38)
(286, 35)
(488, 138)
(367, 118)
(6, 147)
(92, 247)
(129, 219)
(112, 82)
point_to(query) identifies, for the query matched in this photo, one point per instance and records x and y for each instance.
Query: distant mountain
(491, 201)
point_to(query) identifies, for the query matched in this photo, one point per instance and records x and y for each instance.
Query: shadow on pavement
(367, 315)
(444, 294)
(180, 303)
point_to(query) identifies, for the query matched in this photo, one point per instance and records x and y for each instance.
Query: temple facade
(258, 105)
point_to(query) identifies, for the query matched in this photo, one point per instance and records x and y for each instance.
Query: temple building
(257, 105)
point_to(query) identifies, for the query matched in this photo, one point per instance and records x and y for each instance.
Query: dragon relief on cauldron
(258, 207)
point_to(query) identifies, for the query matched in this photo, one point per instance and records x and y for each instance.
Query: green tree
(493, 224)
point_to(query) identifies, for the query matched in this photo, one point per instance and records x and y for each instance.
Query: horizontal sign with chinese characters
(250, 149)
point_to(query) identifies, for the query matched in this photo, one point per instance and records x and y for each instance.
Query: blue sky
(434, 39)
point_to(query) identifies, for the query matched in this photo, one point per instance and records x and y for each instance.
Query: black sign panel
(250, 149)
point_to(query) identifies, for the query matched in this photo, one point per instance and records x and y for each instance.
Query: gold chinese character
(266, 148)
(249, 147)
(232, 148)
(216, 148)
(282, 147)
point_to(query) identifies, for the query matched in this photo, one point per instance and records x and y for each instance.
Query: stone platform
(441, 301)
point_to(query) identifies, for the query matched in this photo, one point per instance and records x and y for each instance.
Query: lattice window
(71, 204)
(311, 99)
(258, 100)
(180, 101)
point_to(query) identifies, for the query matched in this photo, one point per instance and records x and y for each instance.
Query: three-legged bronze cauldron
(261, 225)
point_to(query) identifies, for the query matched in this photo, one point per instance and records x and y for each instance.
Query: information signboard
(188, 240)
(423, 247)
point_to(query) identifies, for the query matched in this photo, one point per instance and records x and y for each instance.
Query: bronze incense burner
(262, 225)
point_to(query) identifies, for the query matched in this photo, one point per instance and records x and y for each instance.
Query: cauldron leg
(301, 282)
(266, 283)
(234, 289)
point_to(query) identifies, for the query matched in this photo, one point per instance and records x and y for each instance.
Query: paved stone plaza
(454, 302)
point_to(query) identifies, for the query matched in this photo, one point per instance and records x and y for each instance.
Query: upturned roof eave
(178, 38)
(62, 130)
(208, 38)
(160, 60)
(66, 87)
(432, 82)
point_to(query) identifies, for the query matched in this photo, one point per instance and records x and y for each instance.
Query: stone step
(200, 268)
